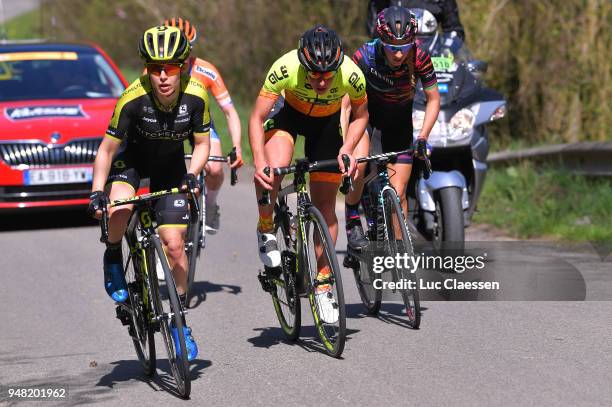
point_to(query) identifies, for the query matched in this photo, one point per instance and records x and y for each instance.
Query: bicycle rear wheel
(193, 247)
(285, 297)
(140, 329)
(364, 278)
(324, 292)
(170, 311)
(371, 298)
(399, 242)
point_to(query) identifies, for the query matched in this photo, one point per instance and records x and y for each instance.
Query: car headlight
(461, 124)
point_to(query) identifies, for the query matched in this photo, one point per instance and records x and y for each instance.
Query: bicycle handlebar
(220, 159)
(303, 166)
(139, 200)
(426, 171)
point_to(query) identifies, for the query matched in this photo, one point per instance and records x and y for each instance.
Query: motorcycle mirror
(477, 67)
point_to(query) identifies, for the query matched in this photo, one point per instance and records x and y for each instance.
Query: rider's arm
(199, 156)
(233, 125)
(104, 158)
(115, 133)
(355, 84)
(277, 79)
(431, 111)
(425, 72)
(208, 74)
(345, 113)
(200, 123)
(262, 107)
(356, 127)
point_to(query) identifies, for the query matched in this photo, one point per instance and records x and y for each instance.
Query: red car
(56, 101)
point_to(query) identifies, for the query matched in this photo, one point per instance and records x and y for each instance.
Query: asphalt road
(58, 328)
(14, 8)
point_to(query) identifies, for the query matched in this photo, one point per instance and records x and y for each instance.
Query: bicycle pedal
(266, 284)
(122, 315)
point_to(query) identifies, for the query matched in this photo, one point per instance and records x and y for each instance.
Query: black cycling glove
(191, 181)
(421, 147)
(97, 201)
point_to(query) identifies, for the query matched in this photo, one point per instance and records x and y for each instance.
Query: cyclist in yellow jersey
(314, 79)
(152, 119)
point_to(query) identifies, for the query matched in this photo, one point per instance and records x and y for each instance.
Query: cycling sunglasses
(320, 75)
(169, 69)
(401, 48)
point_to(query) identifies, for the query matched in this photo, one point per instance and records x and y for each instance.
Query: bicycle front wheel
(325, 289)
(399, 242)
(169, 313)
(285, 296)
(140, 329)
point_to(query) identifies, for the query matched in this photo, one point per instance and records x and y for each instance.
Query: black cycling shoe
(356, 239)
(350, 262)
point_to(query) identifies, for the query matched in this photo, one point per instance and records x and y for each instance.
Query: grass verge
(544, 202)
(24, 26)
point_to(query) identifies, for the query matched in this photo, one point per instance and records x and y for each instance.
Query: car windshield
(56, 75)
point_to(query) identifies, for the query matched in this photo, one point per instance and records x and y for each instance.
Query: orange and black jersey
(145, 128)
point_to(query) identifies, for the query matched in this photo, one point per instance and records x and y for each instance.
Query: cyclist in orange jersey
(209, 75)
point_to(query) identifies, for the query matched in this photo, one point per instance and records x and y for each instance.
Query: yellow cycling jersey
(287, 74)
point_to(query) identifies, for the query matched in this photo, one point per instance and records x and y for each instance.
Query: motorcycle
(442, 206)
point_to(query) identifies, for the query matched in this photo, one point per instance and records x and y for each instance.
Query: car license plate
(57, 175)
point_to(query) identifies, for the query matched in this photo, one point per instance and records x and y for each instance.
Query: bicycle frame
(303, 203)
(141, 229)
(141, 223)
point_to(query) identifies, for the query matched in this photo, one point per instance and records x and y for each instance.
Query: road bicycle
(146, 310)
(306, 249)
(388, 236)
(196, 235)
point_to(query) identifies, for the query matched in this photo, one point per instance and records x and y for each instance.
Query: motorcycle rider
(445, 11)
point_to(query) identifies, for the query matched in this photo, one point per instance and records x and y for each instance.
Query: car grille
(34, 193)
(75, 152)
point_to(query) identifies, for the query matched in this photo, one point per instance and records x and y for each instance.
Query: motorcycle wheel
(449, 231)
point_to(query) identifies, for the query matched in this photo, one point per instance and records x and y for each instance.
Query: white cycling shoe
(268, 249)
(327, 305)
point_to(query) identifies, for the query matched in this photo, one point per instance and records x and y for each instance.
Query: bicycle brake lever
(427, 171)
(265, 197)
(347, 182)
(104, 225)
(233, 172)
(194, 202)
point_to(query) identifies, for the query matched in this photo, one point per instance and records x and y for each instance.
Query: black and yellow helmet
(164, 44)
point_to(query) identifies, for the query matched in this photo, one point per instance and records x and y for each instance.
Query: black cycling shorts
(323, 135)
(167, 174)
(395, 126)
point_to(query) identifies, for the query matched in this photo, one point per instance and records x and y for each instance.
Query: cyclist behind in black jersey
(152, 118)
(392, 65)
